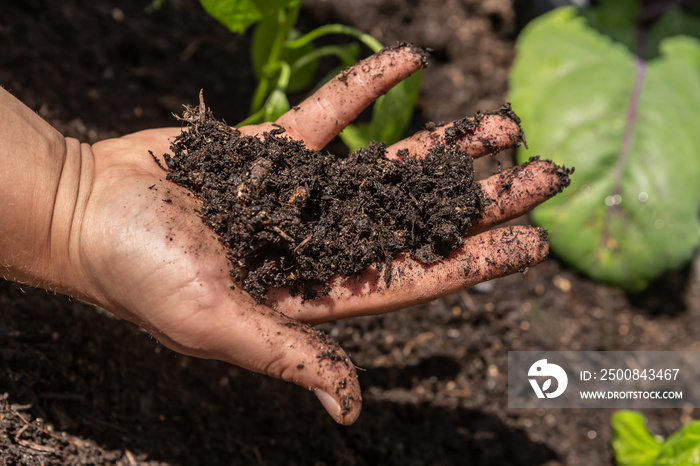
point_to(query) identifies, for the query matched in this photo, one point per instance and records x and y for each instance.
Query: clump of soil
(293, 217)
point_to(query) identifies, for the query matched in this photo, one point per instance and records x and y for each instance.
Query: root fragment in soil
(294, 218)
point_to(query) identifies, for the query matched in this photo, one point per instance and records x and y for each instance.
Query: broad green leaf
(628, 126)
(632, 443)
(391, 115)
(238, 15)
(681, 448)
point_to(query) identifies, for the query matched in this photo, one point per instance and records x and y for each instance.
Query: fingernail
(329, 403)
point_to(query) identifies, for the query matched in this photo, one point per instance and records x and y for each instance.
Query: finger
(518, 190)
(491, 254)
(262, 340)
(320, 118)
(477, 136)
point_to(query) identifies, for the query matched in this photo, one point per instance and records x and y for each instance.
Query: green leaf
(632, 443)
(239, 15)
(628, 126)
(681, 448)
(390, 116)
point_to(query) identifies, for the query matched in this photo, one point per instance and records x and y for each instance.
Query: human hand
(135, 244)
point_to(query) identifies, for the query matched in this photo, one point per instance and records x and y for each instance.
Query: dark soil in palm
(294, 217)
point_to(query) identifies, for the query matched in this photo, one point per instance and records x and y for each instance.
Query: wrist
(44, 183)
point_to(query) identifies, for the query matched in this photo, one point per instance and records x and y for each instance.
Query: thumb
(313, 360)
(266, 341)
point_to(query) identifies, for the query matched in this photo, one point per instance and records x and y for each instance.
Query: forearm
(40, 173)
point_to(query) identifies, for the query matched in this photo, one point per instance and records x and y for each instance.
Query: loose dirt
(294, 217)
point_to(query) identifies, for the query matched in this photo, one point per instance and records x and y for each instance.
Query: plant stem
(309, 37)
(286, 20)
(252, 119)
(285, 74)
(345, 57)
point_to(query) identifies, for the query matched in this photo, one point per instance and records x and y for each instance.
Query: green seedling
(285, 61)
(634, 445)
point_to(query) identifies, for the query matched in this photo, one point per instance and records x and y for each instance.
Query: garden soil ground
(80, 387)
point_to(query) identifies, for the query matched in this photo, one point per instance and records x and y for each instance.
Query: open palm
(144, 253)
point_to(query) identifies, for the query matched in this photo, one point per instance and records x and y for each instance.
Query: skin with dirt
(294, 218)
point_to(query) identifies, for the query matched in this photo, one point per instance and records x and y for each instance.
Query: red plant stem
(632, 107)
(626, 146)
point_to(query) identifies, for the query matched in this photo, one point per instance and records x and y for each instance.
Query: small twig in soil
(303, 243)
(284, 235)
